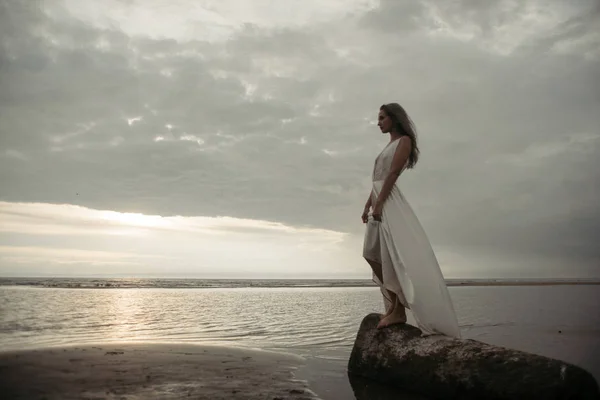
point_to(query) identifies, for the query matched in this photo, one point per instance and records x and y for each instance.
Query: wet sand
(163, 371)
(150, 371)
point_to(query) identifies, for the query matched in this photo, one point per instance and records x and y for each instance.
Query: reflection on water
(364, 389)
(311, 318)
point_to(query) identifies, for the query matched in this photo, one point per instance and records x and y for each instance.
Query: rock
(446, 368)
(365, 389)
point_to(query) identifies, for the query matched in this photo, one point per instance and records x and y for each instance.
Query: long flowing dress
(409, 266)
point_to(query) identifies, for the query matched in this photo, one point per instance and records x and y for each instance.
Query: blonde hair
(404, 126)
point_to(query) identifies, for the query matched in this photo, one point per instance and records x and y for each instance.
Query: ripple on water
(321, 322)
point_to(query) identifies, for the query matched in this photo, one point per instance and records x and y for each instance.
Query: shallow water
(318, 323)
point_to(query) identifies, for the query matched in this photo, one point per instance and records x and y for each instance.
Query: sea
(315, 319)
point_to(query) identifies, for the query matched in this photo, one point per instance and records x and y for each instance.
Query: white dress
(409, 266)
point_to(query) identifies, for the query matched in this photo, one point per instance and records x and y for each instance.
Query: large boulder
(440, 367)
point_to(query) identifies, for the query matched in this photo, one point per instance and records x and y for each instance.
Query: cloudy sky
(235, 138)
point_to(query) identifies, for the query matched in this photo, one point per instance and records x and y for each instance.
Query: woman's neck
(394, 136)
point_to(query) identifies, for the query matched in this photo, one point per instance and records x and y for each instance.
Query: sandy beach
(152, 343)
(149, 371)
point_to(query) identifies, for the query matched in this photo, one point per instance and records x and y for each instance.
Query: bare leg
(391, 296)
(377, 269)
(393, 303)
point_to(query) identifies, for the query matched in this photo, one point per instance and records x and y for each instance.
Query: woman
(395, 245)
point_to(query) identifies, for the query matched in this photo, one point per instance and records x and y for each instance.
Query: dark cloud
(277, 123)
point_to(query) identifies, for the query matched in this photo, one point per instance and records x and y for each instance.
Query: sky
(236, 139)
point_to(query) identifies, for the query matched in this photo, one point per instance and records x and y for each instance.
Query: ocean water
(316, 321)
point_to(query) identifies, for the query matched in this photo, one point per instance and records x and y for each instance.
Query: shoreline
(151, 370)
(322, 286)
(521, 283)
(158, 370)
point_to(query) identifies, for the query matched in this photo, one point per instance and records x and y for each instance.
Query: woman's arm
(398, 162)
(369, 201)
(365, 213)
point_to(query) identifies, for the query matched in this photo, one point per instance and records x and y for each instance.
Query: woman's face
(384, 122)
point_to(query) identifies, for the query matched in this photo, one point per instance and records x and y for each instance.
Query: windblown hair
(404, 126)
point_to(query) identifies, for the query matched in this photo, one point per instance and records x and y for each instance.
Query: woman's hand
(377, 210)
(365, 215)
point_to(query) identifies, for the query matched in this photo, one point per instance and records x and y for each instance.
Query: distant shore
(520, 283)
(192, 283)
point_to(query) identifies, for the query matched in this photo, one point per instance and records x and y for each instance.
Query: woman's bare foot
(387, 313)
(398, 316)
(393, 305)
